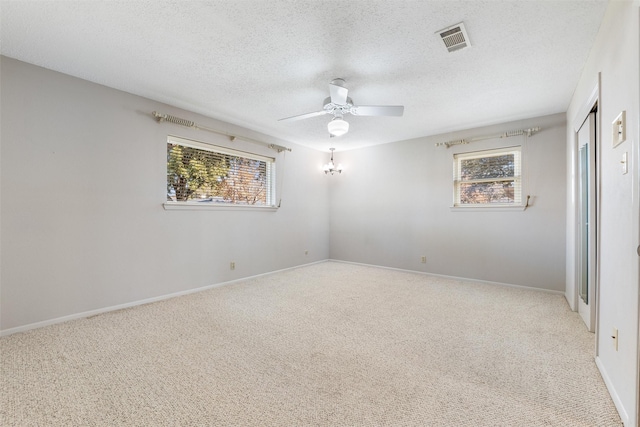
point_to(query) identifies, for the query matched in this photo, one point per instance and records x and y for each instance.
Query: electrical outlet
(615, 338)
(424, 259)
(232, 265)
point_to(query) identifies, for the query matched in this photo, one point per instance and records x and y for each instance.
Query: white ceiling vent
(455, 37)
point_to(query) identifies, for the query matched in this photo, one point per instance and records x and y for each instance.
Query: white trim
(444, 276)
(587, 106)
(494, 208)
(91, 313)
(612, 391)
(458, 158)
(194, 206)
(172, 139)
(571, 220)
(491, 152)
(572, 187)
(270, 163)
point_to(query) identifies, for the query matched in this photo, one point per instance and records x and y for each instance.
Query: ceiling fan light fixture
(338, 127)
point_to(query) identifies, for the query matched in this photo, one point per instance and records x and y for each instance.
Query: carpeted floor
(329, 344)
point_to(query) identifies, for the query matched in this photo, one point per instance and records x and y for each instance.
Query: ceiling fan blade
(304, 116)
(338, 92)
(377, 110)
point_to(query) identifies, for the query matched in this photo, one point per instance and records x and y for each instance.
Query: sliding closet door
(587, 256)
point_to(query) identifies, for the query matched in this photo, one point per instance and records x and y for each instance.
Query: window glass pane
(206, 176)
(488, 177)
(488, 167)
(245, 182)
(487, 192)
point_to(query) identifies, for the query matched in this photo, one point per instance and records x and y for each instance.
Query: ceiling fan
(339, 104)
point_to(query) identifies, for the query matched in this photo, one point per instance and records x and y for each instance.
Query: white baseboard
(612, 391)
(95, 312)
(466, 279)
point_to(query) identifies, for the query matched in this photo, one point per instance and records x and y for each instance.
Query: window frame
(197, 205)
(518, 204)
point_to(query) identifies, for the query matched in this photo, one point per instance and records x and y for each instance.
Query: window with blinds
(201, 173)
(488, 178)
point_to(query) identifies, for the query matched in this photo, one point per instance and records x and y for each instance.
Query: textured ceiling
(252, 62)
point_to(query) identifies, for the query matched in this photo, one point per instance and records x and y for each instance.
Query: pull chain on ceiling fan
(339, 104)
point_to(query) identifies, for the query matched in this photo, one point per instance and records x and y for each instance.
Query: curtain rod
(188, 123)
(519, 132)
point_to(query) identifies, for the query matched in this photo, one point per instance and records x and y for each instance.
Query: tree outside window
(210, 175)
(489, 178)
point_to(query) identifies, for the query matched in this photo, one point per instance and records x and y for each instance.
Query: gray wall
(613, 67)
(83, 179)
(83, 229)
(392, 205)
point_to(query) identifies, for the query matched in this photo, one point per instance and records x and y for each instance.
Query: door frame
(591, 223)
(592, 101)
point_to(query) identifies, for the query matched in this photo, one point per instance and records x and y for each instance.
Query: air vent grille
(455, 37)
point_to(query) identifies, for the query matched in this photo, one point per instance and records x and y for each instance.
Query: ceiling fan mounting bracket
(337, 109)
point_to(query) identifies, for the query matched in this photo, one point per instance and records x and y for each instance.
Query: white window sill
(196, 206)
(497, 208)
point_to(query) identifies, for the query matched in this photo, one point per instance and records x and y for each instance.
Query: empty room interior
(320, 213)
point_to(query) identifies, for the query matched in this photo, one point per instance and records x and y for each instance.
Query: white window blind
(202, 173)
(488, 178)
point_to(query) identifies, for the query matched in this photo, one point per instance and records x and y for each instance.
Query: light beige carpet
(329, 344)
